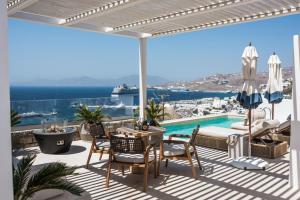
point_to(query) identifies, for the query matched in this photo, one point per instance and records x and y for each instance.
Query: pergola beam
(18, 5)
(233, 20)
(100, 11)
(188, 12)
(6, 183)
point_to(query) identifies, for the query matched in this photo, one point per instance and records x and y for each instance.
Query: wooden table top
(152, 131)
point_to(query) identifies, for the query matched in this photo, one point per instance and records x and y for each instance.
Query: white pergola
(139, 19)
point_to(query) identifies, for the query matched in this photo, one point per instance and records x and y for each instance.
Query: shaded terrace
(143, 19)
(219, 181)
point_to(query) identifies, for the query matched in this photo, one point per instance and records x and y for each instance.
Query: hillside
(223, 82)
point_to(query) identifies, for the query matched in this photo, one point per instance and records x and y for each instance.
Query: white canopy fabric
(274, 87)
(249, 96)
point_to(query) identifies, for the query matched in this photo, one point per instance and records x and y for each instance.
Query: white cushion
(131, 158)
(263, 126)
(219, 132)
(284, 125)
(103, 144)
(239, 126)
(242, 126)
(175, 149)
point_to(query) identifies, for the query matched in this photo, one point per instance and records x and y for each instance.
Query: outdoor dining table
(154, 136)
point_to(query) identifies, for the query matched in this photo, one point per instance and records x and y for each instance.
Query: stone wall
(25, 138)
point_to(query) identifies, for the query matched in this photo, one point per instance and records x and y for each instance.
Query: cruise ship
(125, 95)
(124, 89)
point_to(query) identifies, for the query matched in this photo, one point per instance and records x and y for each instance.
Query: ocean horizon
(44, 101)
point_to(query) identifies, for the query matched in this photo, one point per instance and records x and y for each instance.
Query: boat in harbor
(35, 114)
(178, 89)
(125, 89)
(124, 95)
(30, 114)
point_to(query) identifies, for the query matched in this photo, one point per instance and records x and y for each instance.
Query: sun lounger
(283, 132)
(216, 137)
(258, 116)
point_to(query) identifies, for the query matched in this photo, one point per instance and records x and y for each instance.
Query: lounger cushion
(131, 158)
(284, 125)
(256, 114)
(175, 149)
(242, 126)
(260, 128)
(214, 131)
(239, 126)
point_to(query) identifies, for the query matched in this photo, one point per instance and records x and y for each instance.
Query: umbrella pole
(250, 139)
(273, 110)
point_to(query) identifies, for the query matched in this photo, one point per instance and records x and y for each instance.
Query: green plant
(154, 113)
(51, 176)
(90, 117)
(15, 118)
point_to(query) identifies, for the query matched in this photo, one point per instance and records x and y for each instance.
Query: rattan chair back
(97, 130)
(122, 144)
(194, 134)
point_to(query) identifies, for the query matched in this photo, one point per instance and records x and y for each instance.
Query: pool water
(187, 128)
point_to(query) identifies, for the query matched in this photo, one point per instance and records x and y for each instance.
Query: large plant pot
(85, 133)
(55, 143)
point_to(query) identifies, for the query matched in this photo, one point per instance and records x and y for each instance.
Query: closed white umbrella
(250, 98)
(274, 91)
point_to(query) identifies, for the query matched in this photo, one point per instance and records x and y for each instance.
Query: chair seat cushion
(131, 158)
(175, 149)
(103, 144)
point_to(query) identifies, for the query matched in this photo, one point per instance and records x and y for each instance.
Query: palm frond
(21, 174)
(154, 112)
(15, 118)
(84, 114)
(51, 177)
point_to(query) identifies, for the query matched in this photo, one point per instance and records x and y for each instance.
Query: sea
(59, 104)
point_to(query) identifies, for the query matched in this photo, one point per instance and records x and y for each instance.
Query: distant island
(213, 83)
(86, 81)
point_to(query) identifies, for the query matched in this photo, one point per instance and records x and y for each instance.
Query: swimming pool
(187, 128)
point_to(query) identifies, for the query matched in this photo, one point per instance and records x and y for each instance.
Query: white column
(143, 77)
(6, 186)
(295, 136)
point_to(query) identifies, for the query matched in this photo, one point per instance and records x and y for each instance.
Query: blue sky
(40, 51)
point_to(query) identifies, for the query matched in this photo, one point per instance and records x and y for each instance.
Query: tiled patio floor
(220, 180)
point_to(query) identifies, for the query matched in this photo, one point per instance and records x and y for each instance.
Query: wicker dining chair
(130, 151)
(180, 150)
(100, 141)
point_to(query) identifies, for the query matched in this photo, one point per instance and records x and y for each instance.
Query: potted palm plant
(88, 118)
(154, 113)
(52, 176)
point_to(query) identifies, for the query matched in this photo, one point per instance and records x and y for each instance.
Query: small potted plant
(88, 118)
(154, 113)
